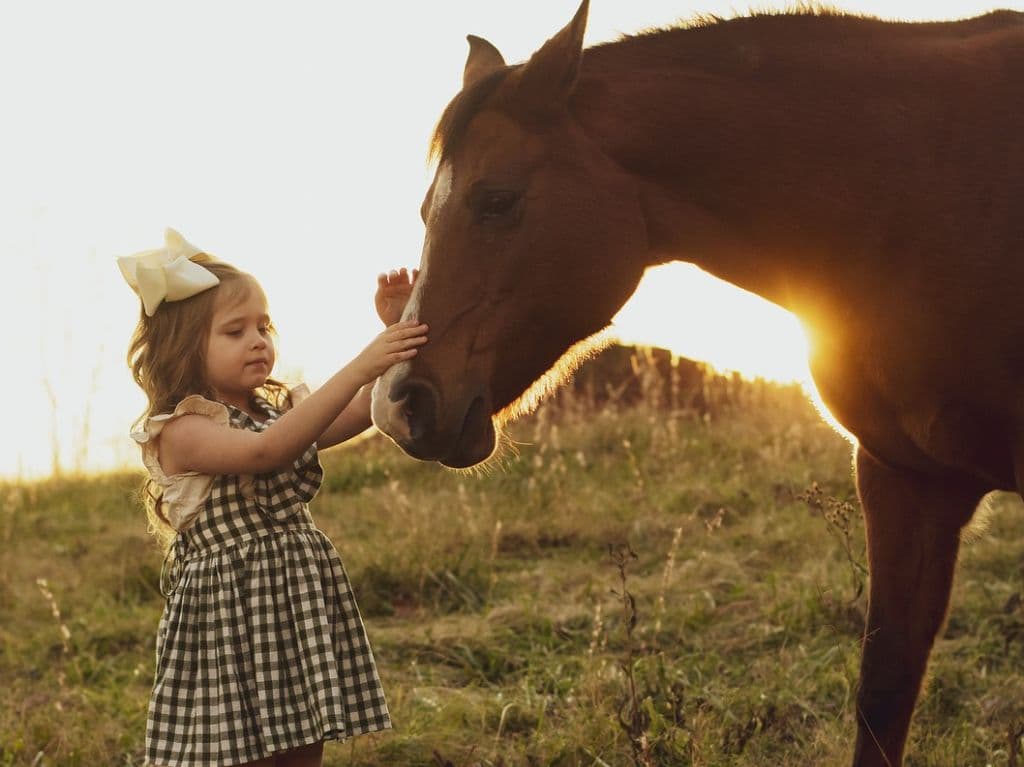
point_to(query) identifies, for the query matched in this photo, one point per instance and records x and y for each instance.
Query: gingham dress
(260, 647)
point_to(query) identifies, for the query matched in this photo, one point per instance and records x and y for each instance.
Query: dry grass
(488, 599)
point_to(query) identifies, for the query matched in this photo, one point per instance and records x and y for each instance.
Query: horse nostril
(418, 402)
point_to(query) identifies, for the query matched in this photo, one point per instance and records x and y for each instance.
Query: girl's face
(240, 350)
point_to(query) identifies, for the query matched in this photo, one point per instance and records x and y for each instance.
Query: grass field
(494, 601)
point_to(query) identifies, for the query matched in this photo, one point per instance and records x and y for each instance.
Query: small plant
(839, 515)
(633, 716)
(666, 578)
(65, 640)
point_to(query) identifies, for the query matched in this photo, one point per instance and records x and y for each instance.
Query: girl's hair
(167, 357)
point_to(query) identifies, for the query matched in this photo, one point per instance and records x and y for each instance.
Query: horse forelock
(459, 113)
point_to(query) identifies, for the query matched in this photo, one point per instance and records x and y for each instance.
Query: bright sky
(289, 139)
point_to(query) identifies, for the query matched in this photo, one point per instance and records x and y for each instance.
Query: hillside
(493, 598)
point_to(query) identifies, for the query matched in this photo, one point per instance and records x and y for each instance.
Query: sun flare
(310, 177)
(686, 310)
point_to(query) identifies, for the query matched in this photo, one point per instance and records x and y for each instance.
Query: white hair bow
(166, 274)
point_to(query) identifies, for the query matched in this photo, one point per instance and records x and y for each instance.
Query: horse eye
(495, 204)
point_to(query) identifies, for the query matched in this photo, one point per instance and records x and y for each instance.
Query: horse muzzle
(413, 413)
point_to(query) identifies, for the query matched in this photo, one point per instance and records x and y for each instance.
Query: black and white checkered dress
(260, 647)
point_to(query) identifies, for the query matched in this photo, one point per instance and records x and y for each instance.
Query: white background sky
(289, 139)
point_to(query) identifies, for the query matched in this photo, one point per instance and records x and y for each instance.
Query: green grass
(488, 598)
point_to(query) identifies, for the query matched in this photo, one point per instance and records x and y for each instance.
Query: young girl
(261, 654)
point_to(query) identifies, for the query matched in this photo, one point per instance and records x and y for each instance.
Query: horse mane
(707, 40)
(804, 17)
(467, 103)
(704, 20)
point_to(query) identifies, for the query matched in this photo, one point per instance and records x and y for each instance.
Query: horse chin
(476, 440)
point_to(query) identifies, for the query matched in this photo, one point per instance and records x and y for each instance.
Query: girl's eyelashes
(264, 329)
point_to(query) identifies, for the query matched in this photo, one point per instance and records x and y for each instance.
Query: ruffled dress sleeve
(184, 494)
(283, 493)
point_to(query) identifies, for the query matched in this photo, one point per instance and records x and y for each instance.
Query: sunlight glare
(298, 153)
(682, 308)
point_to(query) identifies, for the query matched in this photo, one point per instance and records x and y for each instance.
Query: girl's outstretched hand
(393, 291)
(397, 343)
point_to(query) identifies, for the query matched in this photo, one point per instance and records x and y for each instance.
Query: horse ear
(483, 59)
(550, 74)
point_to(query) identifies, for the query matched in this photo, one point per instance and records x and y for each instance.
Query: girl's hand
(396, 344)
(393, 291)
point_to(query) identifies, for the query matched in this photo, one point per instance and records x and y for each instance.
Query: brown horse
(866, 175)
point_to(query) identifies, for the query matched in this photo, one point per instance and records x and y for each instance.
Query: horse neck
(766, 154)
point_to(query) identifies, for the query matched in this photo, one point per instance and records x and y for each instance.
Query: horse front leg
(913, 525)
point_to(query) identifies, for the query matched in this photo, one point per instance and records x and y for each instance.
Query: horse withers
(866, 175)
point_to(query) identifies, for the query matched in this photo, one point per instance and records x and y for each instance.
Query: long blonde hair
(167, 357)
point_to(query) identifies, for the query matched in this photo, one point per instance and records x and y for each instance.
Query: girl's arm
(195, 443)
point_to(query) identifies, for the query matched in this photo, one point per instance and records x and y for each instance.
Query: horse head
(531, 245)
